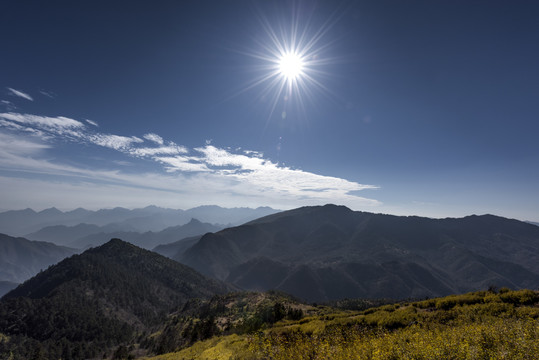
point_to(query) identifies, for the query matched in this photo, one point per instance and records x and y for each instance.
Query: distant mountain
(331, 252)
(150, 218)
(20, 259)
(231, 216)
(178, 247)
(62, 234)
(534, 223)
(148, 240)
(89, 303)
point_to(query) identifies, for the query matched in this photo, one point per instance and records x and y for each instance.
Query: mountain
(150, 218)
(178, 247)
(149, 239)
(331, 252)
(62, 234)
(20, 259)
(89, 303)
(235, 216)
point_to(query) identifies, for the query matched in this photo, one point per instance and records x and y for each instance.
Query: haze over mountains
(80, 229)
(150, 218)
(330, 252)
(83, 236)
(21, 259)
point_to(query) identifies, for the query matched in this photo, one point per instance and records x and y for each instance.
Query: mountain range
(331, 252)
(150, 218)
(118, 299)
(83, 236)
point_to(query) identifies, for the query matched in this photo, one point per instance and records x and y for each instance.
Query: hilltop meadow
(493, 324)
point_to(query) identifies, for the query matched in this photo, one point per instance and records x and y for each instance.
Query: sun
(293, 55)
(291, 66)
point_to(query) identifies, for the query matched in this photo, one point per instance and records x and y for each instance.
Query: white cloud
(181, 163)
(220, 157)
(154, 137)
(47, 94)
(43, 121)
(268, 176)
(91, 122)
(115, 142)
(8, 105)
(20, 94)
(252, 153)
(163, 150)
(213, 174)
(19, 145)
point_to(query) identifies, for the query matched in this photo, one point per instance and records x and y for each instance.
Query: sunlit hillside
(481, 325)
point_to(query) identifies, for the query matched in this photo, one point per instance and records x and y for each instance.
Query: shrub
(520, 297)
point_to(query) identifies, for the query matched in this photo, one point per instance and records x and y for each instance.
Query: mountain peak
(335, 207)
(115, 246)
(51, 210)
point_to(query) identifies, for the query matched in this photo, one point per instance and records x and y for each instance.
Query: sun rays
(291, 56)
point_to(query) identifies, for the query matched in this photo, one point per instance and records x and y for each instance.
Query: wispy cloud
(116, 142)
(155, 138)
(47, 94)
(20, 94)
(162, 150)
(9, 106)
(182, 163)
(19, 145)
(91, 122)
(44, 126)
(55, 123)
(208, 171)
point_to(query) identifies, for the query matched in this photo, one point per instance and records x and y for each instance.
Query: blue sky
(405, 107)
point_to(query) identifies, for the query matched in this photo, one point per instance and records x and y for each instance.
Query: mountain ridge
(150, 218)
(405, 256)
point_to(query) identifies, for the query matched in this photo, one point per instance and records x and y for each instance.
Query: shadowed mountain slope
(331, 252)
(180, 246)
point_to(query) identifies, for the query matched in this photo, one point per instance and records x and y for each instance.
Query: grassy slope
(480, 325)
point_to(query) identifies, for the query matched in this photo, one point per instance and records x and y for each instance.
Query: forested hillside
(89, 304)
